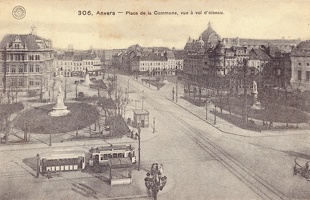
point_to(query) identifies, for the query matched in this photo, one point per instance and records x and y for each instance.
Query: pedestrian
(137, 136)
(161, 168)
(307, 166)
(49, 174)
(131, 134)
(148, 184)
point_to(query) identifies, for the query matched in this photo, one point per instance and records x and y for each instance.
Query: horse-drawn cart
(302, 170)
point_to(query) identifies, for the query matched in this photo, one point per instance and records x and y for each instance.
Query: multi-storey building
(76, 63)
(258, 60)
(25, 62)
(277, 71)
(155, 61)
(196, 70)
(300, 59)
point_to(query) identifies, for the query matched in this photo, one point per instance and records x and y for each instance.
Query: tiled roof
(29, 40)
(152, 57)
(170, 55)
(258, 54)
(246, 41)
(179, 54)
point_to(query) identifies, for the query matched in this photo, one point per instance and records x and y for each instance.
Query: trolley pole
(139, 149)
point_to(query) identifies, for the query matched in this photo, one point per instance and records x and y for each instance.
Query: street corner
(139, 180)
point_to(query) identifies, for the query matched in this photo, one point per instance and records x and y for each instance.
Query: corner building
(300, 58)
(25, 62)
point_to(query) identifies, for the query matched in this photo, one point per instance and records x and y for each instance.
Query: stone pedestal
(59, 109)
(87, 80)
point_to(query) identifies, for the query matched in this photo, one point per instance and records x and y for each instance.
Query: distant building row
(76, 63)
(150, 61)
(221, 63)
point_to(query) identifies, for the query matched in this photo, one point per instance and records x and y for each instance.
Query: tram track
(246, 175)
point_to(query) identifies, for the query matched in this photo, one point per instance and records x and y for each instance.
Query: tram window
(105, 156)
(120, 155)
(114, 155)
(110, 155)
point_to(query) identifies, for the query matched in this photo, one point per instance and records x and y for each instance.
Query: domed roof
(304, 45)
(206, 34)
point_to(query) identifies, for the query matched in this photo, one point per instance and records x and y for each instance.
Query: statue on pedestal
(257, 104)
(59, 109)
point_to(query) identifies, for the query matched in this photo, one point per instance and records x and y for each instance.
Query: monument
(256, 104)
(87, 80)
(59, 109)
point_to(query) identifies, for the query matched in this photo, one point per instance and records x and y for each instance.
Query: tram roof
(61, 154)
(111, 148)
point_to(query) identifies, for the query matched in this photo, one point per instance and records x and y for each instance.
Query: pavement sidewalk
(229, 128)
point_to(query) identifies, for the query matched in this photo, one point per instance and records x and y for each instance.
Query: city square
(204, 114)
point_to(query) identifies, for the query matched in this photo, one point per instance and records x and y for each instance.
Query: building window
(299, 75)
(30, 68)
(13, 69)
(307, 75)
(37, 68)
(299, 63)
(20, 69)
(37, 83)
(20, 83)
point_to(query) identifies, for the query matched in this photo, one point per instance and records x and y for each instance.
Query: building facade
(75, 64)
(25, 62)
(300, 59)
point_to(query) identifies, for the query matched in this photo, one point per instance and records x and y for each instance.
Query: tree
(6, 110)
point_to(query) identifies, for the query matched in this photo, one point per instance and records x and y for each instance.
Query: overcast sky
(59, 21)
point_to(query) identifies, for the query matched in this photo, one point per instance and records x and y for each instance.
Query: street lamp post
(215, 114)
(139, 148)
(176, 91)
(154, 181)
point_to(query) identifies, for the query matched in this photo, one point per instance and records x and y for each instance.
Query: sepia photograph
(154, 100)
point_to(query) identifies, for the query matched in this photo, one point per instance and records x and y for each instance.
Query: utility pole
(206, 108)
(149, 79)
(41, 88)
(38, 166)
(245, 89)
(139, 149)
(65, 88)
(76, 91)
(128, 87)
(176, 91)
(214, 114)
(153, 124)
(50, 138)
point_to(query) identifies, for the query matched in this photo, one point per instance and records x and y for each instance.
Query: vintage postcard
(154, 99)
